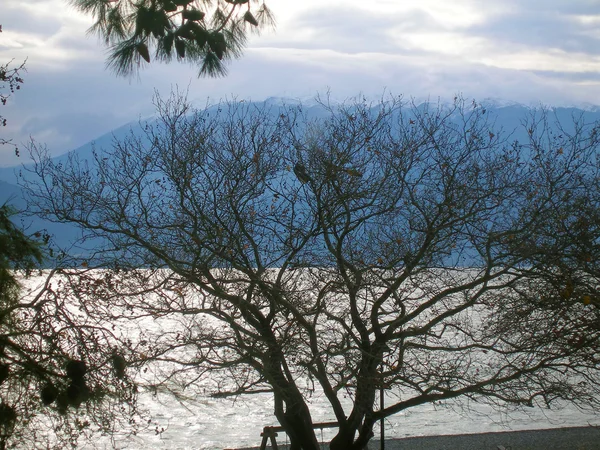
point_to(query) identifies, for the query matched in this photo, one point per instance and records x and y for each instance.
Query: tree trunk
(297, 422)
(360, 420)
(365, 434)
(344, 440)
(302, 435)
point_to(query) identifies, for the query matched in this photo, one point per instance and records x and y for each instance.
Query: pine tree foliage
(57, 383)
(203, 32)
(17, 251)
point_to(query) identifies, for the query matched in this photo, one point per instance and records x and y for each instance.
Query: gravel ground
(574, 438)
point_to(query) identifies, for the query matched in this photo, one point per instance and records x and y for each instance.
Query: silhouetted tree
(56, 382)
(46, 395)
(424, 253)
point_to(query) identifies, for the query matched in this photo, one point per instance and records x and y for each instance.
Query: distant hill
(508, 117)
(11, 193)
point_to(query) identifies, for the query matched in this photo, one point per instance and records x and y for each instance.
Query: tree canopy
(203, 32)
(412, 248)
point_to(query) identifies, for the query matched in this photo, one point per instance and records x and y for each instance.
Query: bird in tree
(301, 173)
(203, 32)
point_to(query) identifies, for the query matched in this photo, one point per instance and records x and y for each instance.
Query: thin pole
(381, 407)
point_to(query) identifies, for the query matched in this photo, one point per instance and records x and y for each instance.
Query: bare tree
(412, 248)
(10, 81)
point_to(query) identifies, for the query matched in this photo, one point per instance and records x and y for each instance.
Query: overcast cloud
(529, 51)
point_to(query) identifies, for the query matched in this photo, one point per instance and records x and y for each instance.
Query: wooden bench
(271, 433)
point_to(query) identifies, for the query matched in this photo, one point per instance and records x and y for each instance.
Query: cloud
(304, 72)
(69, 130)
(522, 50)
(20, 21)
(354, 30)
(542, 29)
(517, 38)
(68, 107)
(577, 78)
(585, 7)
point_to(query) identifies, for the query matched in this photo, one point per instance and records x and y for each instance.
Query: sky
(526, 51)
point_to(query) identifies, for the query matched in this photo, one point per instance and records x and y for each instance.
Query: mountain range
(508, 117)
